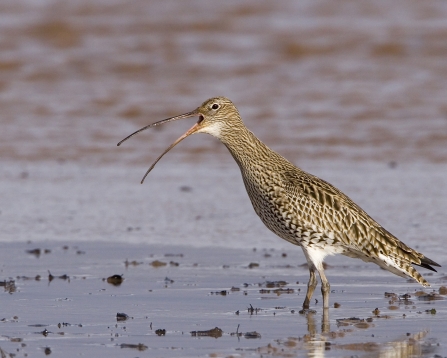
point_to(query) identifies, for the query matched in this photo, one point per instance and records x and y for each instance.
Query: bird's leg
(310, 286)
(325, 287)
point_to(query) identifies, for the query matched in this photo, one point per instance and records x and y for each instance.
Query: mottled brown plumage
(299, 207)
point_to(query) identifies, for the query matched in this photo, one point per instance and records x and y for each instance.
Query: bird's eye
(215, 106)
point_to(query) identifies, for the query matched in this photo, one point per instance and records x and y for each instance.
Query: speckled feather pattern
(308, 211)
(297, 206)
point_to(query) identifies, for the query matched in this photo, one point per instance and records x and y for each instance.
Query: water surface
(353, 92)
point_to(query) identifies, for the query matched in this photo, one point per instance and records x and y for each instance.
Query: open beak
(192, 130)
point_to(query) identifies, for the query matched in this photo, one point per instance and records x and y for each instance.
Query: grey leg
(310, 286)
(325, 287)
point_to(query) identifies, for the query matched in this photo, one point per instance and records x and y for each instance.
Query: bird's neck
(246, 148)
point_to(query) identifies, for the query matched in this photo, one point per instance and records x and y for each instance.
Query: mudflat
(92, 263)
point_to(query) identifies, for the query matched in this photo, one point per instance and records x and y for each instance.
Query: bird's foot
(307, 311)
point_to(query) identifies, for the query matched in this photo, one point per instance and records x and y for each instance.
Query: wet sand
(350, 91)
(185, 250)
(169, 292)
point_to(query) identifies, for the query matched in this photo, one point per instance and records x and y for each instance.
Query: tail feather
(407, 269)
(405, 257)
(426, 263)
(412, 272)
(396, 265)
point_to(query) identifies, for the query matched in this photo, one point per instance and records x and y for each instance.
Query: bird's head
(216, 115)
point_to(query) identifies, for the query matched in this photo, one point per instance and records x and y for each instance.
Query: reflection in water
(319, 341)
(316, 343)
(408, 346)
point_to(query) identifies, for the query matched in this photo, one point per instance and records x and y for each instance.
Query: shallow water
(200, 218)
(198, 289)
(353, 92)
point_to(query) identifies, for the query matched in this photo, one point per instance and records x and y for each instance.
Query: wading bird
(300, 207)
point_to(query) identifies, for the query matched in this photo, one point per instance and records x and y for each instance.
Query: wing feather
(355, 229)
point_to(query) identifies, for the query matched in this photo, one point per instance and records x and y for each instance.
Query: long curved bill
(192, 130)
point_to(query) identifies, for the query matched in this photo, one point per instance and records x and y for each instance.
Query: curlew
(300, 207)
